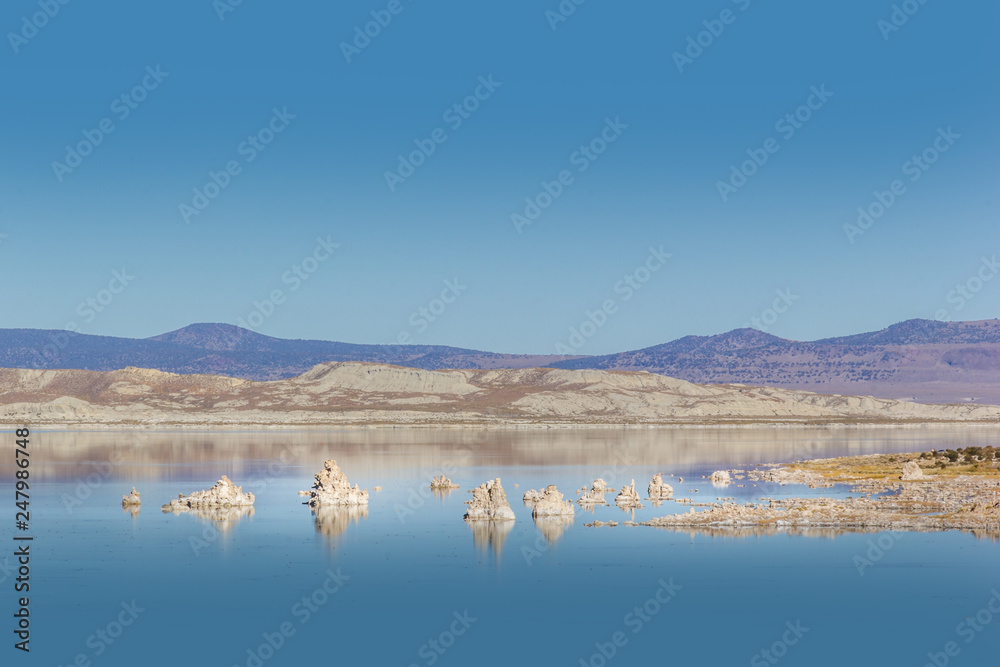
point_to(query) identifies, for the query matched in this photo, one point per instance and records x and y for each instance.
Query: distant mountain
(224, 349)
(924, 360)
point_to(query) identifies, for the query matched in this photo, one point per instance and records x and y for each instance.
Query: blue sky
(327, 131)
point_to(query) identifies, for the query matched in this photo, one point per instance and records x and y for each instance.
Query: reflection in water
(553, 527)
(333, 520)
(131, 509)
(764, 531)
(140, 455)
(442, 493)
(628, 510)
(225, 517)
(490, 535)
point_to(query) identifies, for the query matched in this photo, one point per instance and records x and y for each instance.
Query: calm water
(408, 582)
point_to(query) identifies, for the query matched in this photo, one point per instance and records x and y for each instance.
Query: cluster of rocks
(787, 476)
(938, 502)
(489, 503)
(628, 497)
(441, 483)
(595, 495)
(549, 502)
(658, 489)
(332, 488)
(224, 494)
(132, 500)
(721, 477)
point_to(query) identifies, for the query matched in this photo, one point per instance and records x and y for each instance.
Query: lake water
(408, 582)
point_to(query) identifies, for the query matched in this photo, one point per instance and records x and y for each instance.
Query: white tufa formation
(332, 488)
(131, 499)
(595, 496)
(442, 482)
(550, 503)
(628, 497)
(489, 503)
(223, 494)
(911, 471)
(660, 490)
(721, 477)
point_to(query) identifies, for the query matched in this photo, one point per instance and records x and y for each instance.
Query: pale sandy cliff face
(361, 393)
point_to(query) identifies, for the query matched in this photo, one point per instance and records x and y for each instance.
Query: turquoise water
(410, 583)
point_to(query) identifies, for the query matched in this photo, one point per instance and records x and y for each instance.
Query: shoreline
(914, 492)
(98, 427)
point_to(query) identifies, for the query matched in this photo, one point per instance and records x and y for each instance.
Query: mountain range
(922, 360)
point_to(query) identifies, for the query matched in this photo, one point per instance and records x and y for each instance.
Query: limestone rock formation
(551, 503)
(332, 488)
(721, 477)
(660, 490)
(442, 482)
(224, 494)
(911, 471)
(595, 496)
(533, 495)
(131, 499)
(489, 503)
(628, 497)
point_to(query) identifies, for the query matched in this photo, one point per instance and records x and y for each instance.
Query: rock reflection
(553, 527)
(131, 509)
(225, 517)
(490, 535)
(141, 455)
(442, 493)
(333, 520)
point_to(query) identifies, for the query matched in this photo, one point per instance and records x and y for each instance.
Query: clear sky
(631, 125)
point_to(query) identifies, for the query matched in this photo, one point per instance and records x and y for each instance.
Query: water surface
(407, 582)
